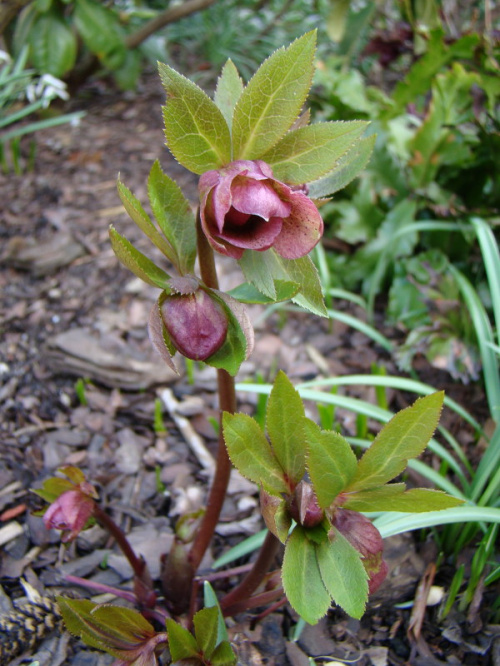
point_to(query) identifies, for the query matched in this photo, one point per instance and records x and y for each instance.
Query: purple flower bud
(365, 537)
(304, 507)
(243, 207)
(71, 511)
(196, 323)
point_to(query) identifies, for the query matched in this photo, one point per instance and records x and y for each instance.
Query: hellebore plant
(259, 162)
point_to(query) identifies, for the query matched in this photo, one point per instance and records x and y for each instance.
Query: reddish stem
(255, 576)
(227, 403)
(144, 584)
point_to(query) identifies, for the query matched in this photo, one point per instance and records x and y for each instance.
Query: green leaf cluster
(320, 565)
(122, 632)
(205, 645)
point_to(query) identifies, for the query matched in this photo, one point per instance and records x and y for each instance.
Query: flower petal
(257, 234)
(259, 198)
(302, 230)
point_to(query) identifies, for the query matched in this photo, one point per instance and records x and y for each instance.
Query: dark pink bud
(365, 537)
(304, 507)
(70, 511)
(196, 323)
(243, 207)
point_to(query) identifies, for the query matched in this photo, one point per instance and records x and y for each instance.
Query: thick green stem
(227, 403)
(255, 576)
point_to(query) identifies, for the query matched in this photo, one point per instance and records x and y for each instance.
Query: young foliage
(273, 98)
(333, 553)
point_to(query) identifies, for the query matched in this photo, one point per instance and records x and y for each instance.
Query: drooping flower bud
(243, 207)
(365, 537)
(71, 511)
(196, 324)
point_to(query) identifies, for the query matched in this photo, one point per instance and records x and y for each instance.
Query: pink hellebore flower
(365, 537)
(243, 207)
(71, 511)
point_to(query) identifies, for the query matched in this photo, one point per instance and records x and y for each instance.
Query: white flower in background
(47, 88)
(5, 57)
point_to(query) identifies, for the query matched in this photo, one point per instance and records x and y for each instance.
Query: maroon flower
(365, 537)
(243, 207)
(71, 511)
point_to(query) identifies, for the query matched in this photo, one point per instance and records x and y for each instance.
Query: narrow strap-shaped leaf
(272, 100)
(228, 91)
(308, 153)
(196, 131)
(251, 453)
(137, 262)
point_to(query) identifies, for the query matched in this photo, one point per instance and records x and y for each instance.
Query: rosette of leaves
(321, 565)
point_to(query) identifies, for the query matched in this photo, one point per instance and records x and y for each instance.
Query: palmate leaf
(251, 453)
(343, 574)
(228, 91)
(349, 165)
(308, 153)
(404, 437)
(196, 131)
(331, 462)
(285, 425)
(395, 497)
(263, 269)
(174, 216)
(302, 581)
(137, 213)
(138, 263)
(272, 100)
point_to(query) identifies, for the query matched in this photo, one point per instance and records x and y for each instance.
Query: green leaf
(54, 487)
(137, 262)
(100, 30)
(259, 268)
(343, 574)
(285, 426)
(404, 437)
(273, 98)
(331, 462)
(53, 45)
(196, 131)
(114, 629)
(174, 216)
(303, 271)
(251, 453)
(302, 581)
(181, 643)
(348, 167)
(308, 153)
(206, 623)
(135, 210)
(394, 498)
(228, 91)
(247, 293)
(223, 655)
(211, 601)
(127, 74)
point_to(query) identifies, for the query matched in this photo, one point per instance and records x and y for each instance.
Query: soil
(80, 385)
